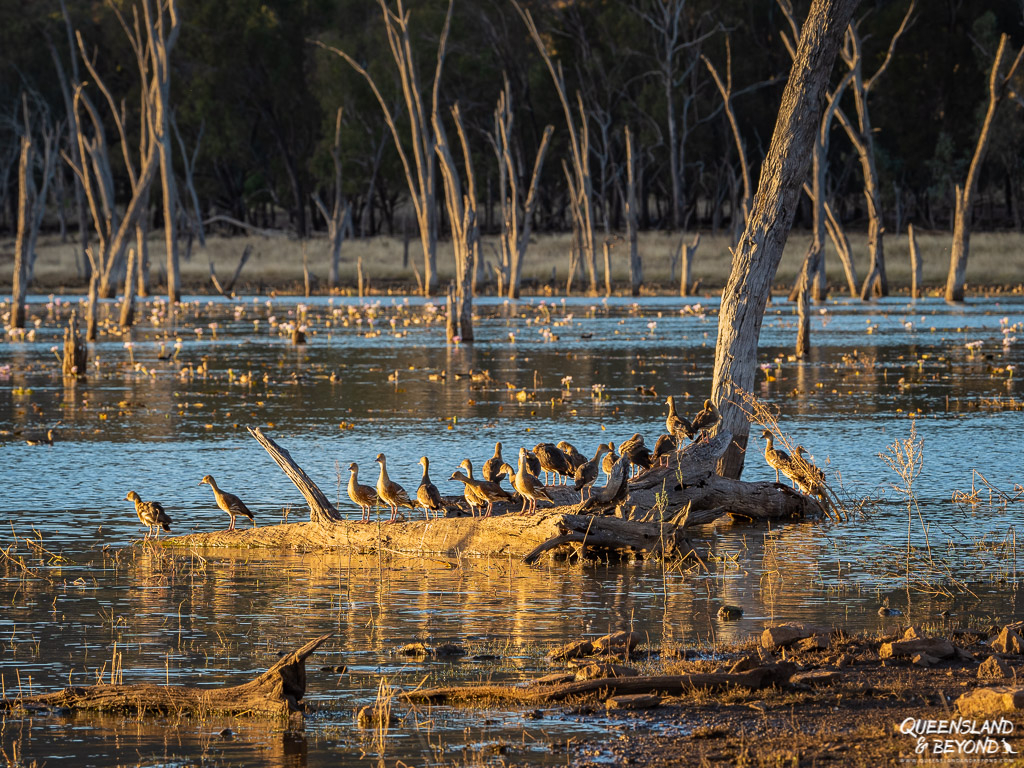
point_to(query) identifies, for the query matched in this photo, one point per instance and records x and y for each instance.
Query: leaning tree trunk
(760, 248)
(19, 285)
(965, 197)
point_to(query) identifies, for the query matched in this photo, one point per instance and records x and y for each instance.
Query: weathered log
(604, 688)
(277, 693)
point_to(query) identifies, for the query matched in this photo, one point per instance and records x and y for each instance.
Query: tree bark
(636, 268)
(997, 84)
(759, 251)
(915, 264)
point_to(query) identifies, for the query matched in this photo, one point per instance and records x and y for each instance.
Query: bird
(528, 486)
(808, 477)
(390, 492)
(638, 454)
(587, 474)
(552, 460)
(46, 439)
(483, 490)
(574, 457)
(427, 495)
(469, 492)
(151, 514)
(228, 502)
(777, 459)
(492, 467)
(363, 496)
(677, 426)
(706, 419)
(666, 444)
(533, 464)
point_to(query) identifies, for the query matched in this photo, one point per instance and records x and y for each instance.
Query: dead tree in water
(915, 264)
(128, 302)
(515, 227)
(686, 255)
(636, 268)
(997, 87)
(581, 189)
(31, 207)
(461, 216)
(759, 251)
(339, 218)
(861, 136)
(76, 353)
(420, 174)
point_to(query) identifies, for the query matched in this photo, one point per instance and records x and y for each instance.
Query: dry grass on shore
(997, 259)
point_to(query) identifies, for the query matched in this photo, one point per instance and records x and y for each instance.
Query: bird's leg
(488, 513)
(254, 522)
(776, 475)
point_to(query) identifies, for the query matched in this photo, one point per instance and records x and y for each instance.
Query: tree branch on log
(277, 693)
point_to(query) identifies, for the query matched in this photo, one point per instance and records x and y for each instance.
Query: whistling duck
(574, 457)
(151, 514)
(552, 460)
(777, 459)
(706, 419)
(228, 502)
(492, 467)
(528, 486)
(427, 495)
(363, 496)
(482, 490)
(808, 477)
(677, 426)
(638, 454)
(666, 444)
(46, 439)
(390, 492)
(587, 474)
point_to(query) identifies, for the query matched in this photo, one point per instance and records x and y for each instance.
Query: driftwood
(539, 692)
(277, 693)
(226, 289)
(649, 515)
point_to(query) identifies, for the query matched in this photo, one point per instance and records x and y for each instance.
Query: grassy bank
(997, 261)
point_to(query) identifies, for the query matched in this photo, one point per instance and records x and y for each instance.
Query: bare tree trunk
(90, 318)
(76, 353)
(686, 254)
(339, 216)
(803, 334)
(421, 183)
(451, 324)
(915, 264)
(997, 85)
(636, 268)
(759, 251)
(128, 302)
(842, 245)
(189, 163)
(607, 249)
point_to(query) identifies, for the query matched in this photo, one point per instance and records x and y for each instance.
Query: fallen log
(639, 517)
(277, 693)
(604, 688)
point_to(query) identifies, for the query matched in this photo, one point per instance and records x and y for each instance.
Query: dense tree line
(255, 101)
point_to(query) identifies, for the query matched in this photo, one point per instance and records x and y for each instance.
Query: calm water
(376, 376)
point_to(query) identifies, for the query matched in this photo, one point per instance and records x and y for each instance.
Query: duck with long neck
(229, 502)
(427, 495)
(390, 492)
(363, 496)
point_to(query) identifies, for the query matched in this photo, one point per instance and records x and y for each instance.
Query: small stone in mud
(924, 660)
(1008, 641)
(730, 613)
(815, 643)
(745, 663)
(815, 677)
(617, 642)
(994, 667)
(599, 671)
(786, 634)
(846, 660)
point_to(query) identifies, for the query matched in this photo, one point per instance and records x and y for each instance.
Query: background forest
(254, 107)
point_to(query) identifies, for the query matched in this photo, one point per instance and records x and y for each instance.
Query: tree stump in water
(277, 693)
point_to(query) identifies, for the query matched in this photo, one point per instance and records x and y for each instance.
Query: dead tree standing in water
(31, 206)
(997, 86)
(636, 268)
(759, 251)
(339, 219)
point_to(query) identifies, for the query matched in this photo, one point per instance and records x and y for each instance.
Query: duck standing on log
(706, 419)
(666, 445)
(390, 492)
(552, 460)
(363, 496)
(151, 514)
(229, 502)
(528, 486)
(808, 477)
(427, 495)
(469, 492)
(492, 467)
(484, 491)
(574, 457)
(587, 474)
(678, 427)
(777, 459)
(609, 461)
(638, 454)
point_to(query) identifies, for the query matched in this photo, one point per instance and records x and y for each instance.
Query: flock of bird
(559, 463)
